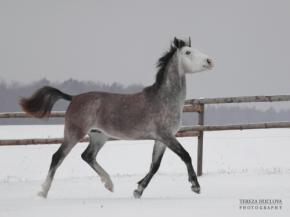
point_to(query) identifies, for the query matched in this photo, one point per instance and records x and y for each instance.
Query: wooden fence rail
(44, 141)
(61, 114)
(268, 125)
(56, 114)
(199, 105)
(240, 99)
(192, 105)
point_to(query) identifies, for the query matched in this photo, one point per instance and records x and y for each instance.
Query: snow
(237, 165)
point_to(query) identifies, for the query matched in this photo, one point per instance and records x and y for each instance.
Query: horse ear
(176, 42)
(189, 42)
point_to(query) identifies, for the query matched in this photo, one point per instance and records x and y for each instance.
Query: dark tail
(40, 104)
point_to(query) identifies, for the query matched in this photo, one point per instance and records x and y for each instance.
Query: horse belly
(126, 126)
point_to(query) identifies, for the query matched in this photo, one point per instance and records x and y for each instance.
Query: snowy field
(237, 165)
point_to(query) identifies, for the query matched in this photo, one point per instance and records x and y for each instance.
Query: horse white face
(193, 61)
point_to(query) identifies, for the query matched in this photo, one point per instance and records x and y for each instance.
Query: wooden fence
(193, 105)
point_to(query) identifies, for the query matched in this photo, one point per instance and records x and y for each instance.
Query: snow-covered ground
(237, 165)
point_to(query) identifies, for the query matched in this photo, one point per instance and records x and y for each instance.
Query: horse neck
(173, 87)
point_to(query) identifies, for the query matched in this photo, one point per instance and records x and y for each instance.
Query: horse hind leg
(158, 151)
(56, 161)
(97, 141)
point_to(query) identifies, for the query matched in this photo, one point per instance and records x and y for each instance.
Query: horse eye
(187, 52)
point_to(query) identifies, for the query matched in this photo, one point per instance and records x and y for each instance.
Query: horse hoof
(108, 183)
(42, 194)
(137, 194)
(195, 189)
(109, 186)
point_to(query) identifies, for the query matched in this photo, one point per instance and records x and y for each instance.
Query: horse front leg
(158, 151)
(172, 143)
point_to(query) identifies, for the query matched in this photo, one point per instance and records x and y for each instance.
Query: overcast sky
(121, 41)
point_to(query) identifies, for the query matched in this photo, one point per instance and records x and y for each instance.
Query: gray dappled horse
(154, 113)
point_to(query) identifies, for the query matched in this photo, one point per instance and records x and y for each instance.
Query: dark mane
(163, 62)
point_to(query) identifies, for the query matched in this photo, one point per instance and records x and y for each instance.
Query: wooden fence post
(200, 140)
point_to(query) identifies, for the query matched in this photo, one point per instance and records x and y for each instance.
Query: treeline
(11, 93)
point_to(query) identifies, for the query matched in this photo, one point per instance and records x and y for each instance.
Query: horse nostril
(209, 61)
